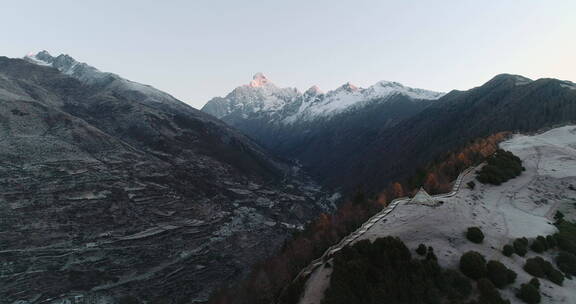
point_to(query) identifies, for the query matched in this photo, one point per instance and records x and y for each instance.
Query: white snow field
(521, 207)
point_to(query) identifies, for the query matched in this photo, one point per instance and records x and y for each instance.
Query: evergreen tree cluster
(530, 292)
(541, 268)
(565, 239)
(520, 246)
(385, 271)
(500, 167)
(474, 266)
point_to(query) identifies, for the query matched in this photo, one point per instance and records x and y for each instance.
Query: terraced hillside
(108, 187)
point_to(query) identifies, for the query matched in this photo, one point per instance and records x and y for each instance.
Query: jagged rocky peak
(314, 90)
(259, 80)
(62, 62)
(69, 66)
(41, 56)
(390, 84)
(348, 87)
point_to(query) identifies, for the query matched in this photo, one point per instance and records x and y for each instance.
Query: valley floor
(521, 207)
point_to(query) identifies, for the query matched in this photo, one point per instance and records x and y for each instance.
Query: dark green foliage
(488, 293)
(471, 185)
(538, 246)
(556, 277)
(371, 272)
(474, 235)
(508, 250)
(535, 282)
(544, 242)
(473, 265)
(566, 236)
(512, 276)
(559, 215)
(541, 268)
(500, 167)
(499, 274)
(421, 250)
(551, 241)
(458, 284)
(566, 262)
(537, 267)
(529, 293)
(520, 246)
(128, 300)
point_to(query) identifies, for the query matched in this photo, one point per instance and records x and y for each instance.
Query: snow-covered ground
(521, 207)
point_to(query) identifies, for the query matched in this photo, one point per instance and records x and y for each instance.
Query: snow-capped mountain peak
(288, 105)
(348, 87)
(40, 58)
(314, 90)
(69, 66)
(90, 75)
(259, 80)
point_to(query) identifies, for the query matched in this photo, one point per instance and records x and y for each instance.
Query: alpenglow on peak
(262, 98)
(259, 80)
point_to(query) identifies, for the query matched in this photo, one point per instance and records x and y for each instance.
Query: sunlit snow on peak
(259, 80)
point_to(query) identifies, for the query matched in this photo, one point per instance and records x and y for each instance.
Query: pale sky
(196, 50)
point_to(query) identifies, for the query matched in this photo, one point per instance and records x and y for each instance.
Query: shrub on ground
(489, 294)
(520, 246)
(538, 246)
(529, 294)
(508, 250)
(541, 268)
(499, 274)
(475, 235)
(473, 265)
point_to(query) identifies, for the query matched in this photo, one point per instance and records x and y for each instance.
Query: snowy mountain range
(319, 130)
(287, 105)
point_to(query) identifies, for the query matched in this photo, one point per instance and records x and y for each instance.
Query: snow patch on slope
(349, 96)
(92, 76)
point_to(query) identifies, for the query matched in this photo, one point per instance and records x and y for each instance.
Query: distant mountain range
(352, 137)
(320, 130)
(261, 98)
(113, 187)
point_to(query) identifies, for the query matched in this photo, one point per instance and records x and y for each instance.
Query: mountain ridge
(288, 105)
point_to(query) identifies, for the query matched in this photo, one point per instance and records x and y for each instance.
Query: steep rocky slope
(112, 187)
(521, 207)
